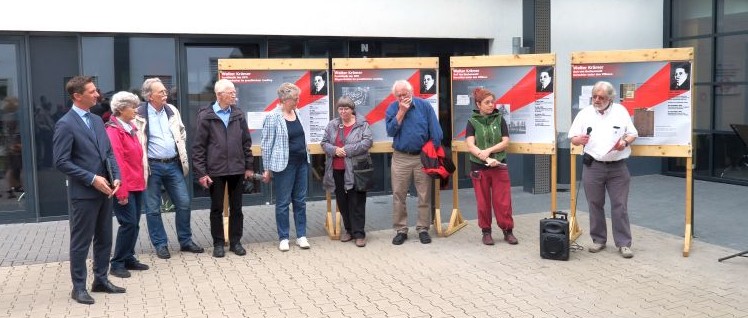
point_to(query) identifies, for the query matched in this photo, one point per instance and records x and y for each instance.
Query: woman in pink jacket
(128, 201)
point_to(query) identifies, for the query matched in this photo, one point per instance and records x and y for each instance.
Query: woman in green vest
(487, 138)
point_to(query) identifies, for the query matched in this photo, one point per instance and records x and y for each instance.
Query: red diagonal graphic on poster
(461, 134)
(654, 91)
(523, 93)
(305, 96)
(378, 113)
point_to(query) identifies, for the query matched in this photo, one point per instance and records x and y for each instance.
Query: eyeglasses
(163, 92)
(232, 93)
(599, 97)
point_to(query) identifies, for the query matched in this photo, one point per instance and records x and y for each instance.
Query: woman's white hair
(121, 100)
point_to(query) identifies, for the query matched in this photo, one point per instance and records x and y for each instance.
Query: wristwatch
(625, 143)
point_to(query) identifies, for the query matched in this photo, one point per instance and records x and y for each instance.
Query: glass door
(16, 199)
(200, 64)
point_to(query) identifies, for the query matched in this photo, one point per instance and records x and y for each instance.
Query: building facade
(126, 45)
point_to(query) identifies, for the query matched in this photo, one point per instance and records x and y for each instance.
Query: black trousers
(90, 219)
(352, 205)
(236, 218)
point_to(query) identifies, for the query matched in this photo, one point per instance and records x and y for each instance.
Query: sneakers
(509, 237)
(303, 243)
(283, 246)
(626, 252)
(596, 247)
(487, 239)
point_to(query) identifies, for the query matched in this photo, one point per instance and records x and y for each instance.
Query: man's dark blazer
(548, 88)
(80, 153)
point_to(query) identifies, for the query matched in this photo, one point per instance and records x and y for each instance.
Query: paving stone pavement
(454, 276)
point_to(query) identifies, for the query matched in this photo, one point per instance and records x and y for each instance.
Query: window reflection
(10, 147)
(731, 62)
(691, 17)
(201, 75)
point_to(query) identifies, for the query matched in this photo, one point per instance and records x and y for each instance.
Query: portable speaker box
(554, 237)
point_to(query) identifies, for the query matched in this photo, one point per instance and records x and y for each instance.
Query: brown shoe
(346, 237)
(509, 237)
(487, 239)
(360, 242)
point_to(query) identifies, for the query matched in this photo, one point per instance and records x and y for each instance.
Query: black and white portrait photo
(319, 83)
(544, 79)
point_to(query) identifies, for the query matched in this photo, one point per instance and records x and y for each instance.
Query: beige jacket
(177, 129)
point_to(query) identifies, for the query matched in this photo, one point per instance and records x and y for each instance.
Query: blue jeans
(169, 175)
(294, 177)
(128, 217)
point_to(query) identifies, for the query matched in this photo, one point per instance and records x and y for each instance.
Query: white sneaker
(596, 247)
(283, 246)
(626, 252)
(302, 242)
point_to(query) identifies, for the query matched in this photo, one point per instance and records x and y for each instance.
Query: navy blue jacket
(419, 126)
(80, 154)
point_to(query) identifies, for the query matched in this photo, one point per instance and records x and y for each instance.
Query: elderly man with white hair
(164, 141)
(411, 122)
(222, 158)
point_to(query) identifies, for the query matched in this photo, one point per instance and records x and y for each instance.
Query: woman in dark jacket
(347, 140)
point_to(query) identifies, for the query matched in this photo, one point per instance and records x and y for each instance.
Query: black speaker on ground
(554, 237)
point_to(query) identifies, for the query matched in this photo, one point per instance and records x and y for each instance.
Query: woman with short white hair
(129, 199)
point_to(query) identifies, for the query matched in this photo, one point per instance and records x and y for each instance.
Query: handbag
(363, 174)
(363, 169)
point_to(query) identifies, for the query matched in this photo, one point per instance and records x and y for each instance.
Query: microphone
(589, 130)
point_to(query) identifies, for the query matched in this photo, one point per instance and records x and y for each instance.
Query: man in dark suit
(82, 152)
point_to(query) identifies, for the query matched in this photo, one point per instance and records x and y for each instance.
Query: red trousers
(493, 190)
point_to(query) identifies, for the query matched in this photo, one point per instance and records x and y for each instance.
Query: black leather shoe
(163, 252)
(424, 237)
(119, 272)
(136, 266)
(218, 251)
(192, 247)
(82, 297)
(399, 238)
(238, 249)
(106, 287)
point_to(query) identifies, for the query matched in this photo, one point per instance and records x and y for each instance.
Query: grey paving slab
(454, 276)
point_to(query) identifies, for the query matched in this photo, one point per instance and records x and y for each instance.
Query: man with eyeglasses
(222, 158)
(164, 140)
(606, 131)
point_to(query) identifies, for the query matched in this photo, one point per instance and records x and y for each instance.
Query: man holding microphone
(606, 131)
